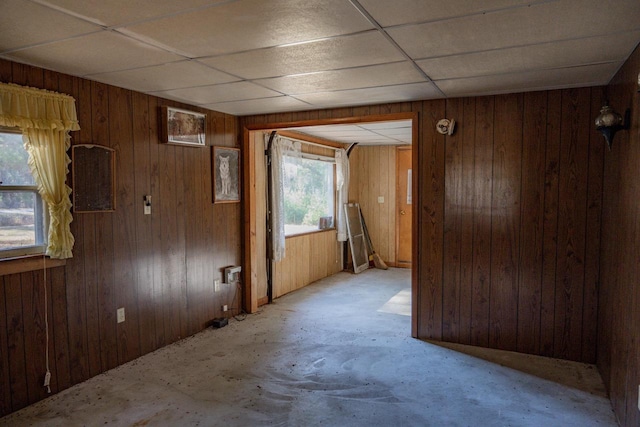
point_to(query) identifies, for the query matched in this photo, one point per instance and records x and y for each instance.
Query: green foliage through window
(309, 193)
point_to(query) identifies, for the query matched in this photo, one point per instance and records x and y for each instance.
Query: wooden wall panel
(156, 266)
(373, 174)
(507, 251)
(618, 349)
(531, 223)
(550, 224)
(574, 151)
(309, 257)
(454, 203)
(430, 156)
(482, 194)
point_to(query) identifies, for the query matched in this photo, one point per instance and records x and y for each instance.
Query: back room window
(309, 194)
(22, 217)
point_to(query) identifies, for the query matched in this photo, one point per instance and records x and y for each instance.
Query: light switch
(120, 315)
(147, 205)
(380, 199)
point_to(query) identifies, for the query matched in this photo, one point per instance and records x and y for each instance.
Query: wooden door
(404, 206)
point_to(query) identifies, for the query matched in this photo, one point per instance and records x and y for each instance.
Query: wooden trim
(310, 138)
(30, 263)
(397, 206)
(263, 301)
(338, 121)
(291, 236)
(415, 173)
(250, 297)
(250, 285)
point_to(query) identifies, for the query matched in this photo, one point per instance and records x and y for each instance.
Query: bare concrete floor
(337, 353)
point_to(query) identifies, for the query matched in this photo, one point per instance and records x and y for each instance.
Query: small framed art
(226, 175)
(183, 127)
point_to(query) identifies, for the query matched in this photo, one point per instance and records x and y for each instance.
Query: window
(22, 217)
(309, 194)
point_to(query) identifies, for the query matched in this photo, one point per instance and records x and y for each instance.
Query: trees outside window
(309, 193)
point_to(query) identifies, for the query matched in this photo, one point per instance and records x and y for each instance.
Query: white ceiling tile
(358, 133)
(337, 128)
(117, 12)
(23, 23)
(352, 78)
(398, 12)
(173, 75)
(548, 55)
(237, 91)
(94, 53)
(369, 96)
(250, 24)
(540, 23)
(356, 50)
(386, 125)
(591, 75)
(259, 106)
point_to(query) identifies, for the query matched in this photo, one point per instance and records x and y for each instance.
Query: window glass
(309, 194)
(22, 218)
(14, 169)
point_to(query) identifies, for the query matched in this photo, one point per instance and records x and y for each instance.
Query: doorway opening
(382, 181)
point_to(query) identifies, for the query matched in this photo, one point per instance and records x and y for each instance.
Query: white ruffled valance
(30, 108)
(45, 119)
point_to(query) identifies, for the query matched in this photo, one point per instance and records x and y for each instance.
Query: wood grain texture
(467, 135)
(373, 175)
(121, 259)
(309, 257)
(571, 223)
(454, 204)
(505, 222)
(550, 224)
(531, 223)
(431, 158)
(618, 349)
(5, 378)
(491, 258)
(482, 194)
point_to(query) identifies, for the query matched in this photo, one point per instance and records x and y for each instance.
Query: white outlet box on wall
(120, 314)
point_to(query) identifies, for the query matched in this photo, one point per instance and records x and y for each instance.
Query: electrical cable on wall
(47, 375)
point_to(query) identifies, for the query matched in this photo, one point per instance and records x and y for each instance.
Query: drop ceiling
(265, 56)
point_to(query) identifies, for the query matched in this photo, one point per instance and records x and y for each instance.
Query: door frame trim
(249, 287)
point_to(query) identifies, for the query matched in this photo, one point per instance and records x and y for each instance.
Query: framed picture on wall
(184, 127)
(226, 175)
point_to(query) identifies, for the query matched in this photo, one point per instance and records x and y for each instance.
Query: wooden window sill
(306, 233)
(27, 263)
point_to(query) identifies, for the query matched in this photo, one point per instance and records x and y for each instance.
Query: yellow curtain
(45, 119)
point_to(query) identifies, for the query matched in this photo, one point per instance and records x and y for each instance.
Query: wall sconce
(609, 122)
(446, 126)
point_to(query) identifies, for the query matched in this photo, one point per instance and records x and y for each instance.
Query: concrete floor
(337, 353)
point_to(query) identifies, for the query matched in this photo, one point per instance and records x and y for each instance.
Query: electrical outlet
(380, 199)
(120, 315)
(225, 308)
(216, 285)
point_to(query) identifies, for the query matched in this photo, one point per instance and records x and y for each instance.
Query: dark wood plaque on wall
(93, 178)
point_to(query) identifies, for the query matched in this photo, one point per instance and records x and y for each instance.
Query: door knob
(402, 212)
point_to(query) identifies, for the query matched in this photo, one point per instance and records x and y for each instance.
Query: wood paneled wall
(373, 174)
(159, 267)
(619, 314)
(309, 257)
(509, 211)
